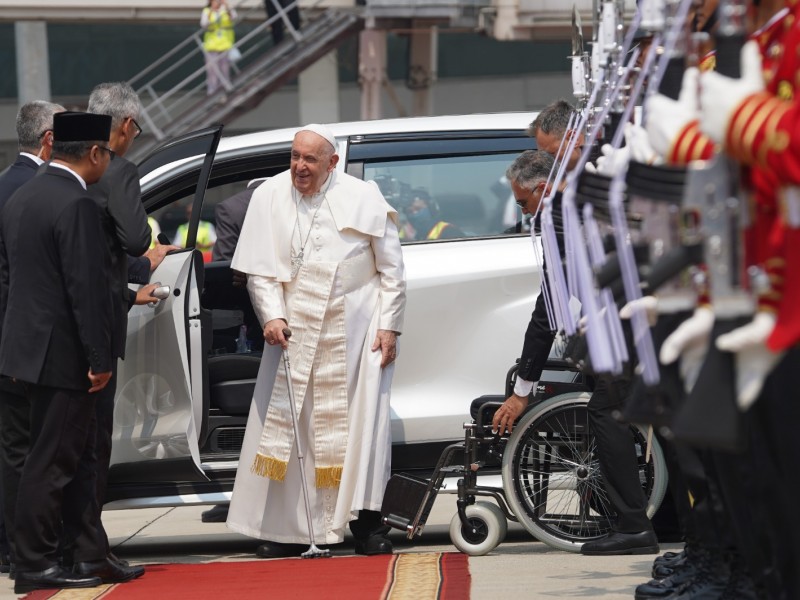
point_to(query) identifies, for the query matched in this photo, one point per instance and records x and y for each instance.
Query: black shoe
(218, 514)
(5, 563)
(12, 572)
(53, 578)
(278, 550)
(644, 542)
(107, 570)
(373, 545)
(120, 561)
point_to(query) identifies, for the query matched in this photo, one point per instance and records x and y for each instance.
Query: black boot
(709, 583)
(682, 574)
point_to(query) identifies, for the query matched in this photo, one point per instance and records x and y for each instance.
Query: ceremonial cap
(322, 131)
(73, 126)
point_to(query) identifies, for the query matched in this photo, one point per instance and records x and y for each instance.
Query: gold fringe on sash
(272, 468)
(328, 477)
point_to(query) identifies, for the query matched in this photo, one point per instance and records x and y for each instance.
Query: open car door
(159, 407)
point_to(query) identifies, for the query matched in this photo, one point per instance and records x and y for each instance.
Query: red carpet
(409, 576)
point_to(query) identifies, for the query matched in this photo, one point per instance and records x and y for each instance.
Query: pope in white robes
(322, 256)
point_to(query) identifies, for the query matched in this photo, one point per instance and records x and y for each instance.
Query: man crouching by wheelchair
(631, 532)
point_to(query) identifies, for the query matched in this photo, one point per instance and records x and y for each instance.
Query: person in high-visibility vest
(206, 235)
(423, 218)
(156, 229)
(217, 20)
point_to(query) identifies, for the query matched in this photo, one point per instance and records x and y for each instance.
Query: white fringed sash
(318, 349)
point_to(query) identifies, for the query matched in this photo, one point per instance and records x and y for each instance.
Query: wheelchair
(551, 480)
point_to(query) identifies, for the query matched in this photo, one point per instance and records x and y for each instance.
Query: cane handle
(287, 333)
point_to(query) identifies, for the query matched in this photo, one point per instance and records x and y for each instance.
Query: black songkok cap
(72, 126)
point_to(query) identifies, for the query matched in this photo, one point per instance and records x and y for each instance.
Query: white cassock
(352, 227)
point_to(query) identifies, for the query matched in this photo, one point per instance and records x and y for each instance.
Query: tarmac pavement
(520, 567)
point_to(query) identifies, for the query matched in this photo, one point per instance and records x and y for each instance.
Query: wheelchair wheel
(489, 528)
(552, 479)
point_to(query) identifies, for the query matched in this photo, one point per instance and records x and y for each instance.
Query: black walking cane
(313, 551)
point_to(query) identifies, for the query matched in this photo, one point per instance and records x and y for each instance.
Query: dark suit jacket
(229, 216)
(12, 178)
(127, 232)
(54, 294)
(539, 337)
(20, 172)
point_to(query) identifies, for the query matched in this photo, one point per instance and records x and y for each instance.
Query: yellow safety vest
(203, 242)
(437, 229)
(219, 36)
(155, 229)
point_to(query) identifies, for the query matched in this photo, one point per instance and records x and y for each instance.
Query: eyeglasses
(138, 128)
(111, 153)
(523, 202)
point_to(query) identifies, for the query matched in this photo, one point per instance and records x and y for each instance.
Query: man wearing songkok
(322, 256)
(56, 339)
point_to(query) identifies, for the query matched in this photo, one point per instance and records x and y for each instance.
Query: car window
(448, 197)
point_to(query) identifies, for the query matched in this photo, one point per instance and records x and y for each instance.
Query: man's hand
(508, 413)
(239, 278)
(386, 342)
(273, 333)
(157, 253)
(98, 381)
(145, 294)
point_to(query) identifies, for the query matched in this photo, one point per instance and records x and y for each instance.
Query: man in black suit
(228, 218)
(632, 532)
(35, 136)
(56, 337)
(127, 235)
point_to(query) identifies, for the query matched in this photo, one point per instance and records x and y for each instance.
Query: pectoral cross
(297, 262)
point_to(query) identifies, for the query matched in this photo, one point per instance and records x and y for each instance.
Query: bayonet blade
(577, 33)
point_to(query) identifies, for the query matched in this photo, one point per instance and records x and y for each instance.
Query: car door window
(448, 197)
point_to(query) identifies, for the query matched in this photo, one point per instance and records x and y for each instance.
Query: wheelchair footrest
(407, 503)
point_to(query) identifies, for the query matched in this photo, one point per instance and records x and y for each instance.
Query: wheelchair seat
(232, 380)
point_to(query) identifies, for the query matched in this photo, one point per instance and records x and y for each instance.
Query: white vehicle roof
(487, 121)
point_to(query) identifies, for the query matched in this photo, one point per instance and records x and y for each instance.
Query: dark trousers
(62, 438)
(277, 24)
(617, 455)
(368, 523)
(759, 485)
(74, 534)
(15, 427)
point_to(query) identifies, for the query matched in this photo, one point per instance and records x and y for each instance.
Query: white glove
(638, 141)
(754, 360)
(590, 168)
(720, 95)
(613, 161)
(583, 322)
(649, 304)
(667, 117)
(693, 332)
